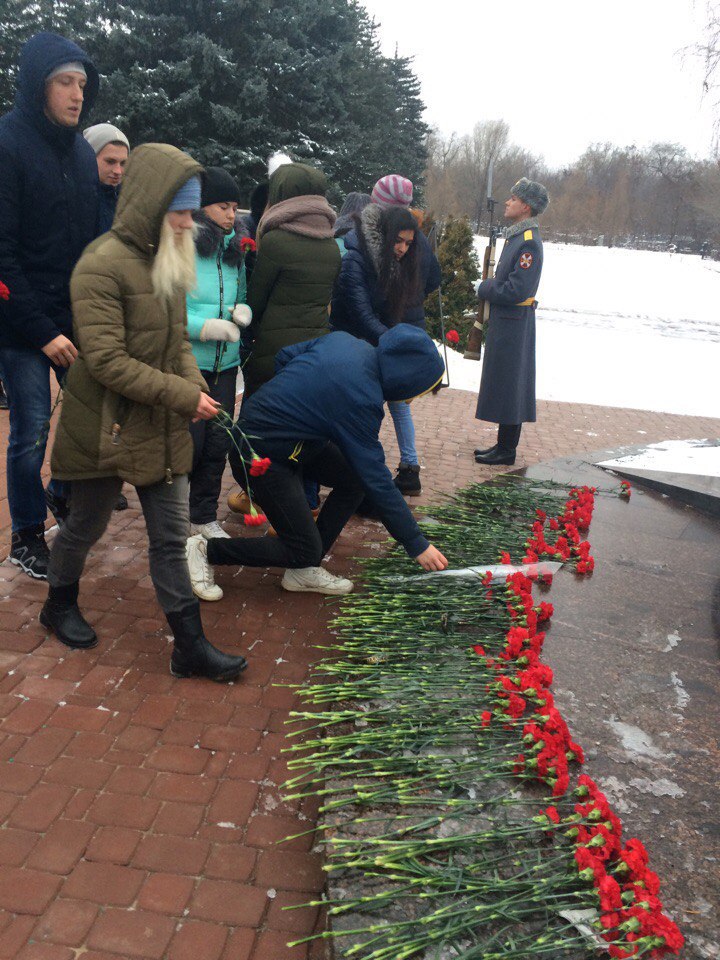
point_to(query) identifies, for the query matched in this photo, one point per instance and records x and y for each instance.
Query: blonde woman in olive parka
(128, 400)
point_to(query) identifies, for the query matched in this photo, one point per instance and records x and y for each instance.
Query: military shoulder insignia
(527, 235)
(526, 261)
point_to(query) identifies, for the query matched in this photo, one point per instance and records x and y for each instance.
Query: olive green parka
(292, 281)
(135, 385)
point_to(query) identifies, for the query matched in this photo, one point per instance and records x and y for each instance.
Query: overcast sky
(562, 73)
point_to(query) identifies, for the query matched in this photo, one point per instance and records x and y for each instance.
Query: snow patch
(635, 741)
(633, 333)
(682, 697)
(700, 458)
(673, 640)
(658, 788)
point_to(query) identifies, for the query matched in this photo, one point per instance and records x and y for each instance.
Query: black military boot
(29, 551)
(504, 452)
(485, 453)
(407, 479)
(61, 614)
(193, 655)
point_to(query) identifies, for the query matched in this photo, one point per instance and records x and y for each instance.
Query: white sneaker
(208, 530)
(201, 573)
(316, 580)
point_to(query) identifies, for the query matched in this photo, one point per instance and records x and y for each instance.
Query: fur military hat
(532, 193)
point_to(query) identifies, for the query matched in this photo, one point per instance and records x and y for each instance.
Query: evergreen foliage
(232, 80)
(460, 269)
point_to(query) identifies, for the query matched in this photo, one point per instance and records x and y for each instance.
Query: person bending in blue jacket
(319, 418)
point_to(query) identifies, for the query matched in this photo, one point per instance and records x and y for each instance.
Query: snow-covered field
(623, 328)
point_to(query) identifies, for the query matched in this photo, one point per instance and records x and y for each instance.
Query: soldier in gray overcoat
(507, 388)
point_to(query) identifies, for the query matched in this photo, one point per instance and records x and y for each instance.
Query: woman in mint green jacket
(216, 310)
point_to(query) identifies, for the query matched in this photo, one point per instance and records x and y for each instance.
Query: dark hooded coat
(359, 305)
(335, 388)
(291, 285)
(135, 386)
(48, 199)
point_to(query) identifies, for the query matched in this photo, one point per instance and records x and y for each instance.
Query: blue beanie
(188, 196)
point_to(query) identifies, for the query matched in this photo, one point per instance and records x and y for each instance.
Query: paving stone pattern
(141, 814)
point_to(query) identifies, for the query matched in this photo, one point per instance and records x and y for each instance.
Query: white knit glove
(242, 315)
(217, 329)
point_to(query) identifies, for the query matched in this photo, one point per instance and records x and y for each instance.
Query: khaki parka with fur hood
(135, 384)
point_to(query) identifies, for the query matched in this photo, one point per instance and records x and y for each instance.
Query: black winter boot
(485, 453)
(504, 452)
(29, 551)
(193, 655)
(61, 614)
(407, 479)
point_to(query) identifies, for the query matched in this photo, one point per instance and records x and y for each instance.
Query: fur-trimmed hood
(371, 239)
(209, 236)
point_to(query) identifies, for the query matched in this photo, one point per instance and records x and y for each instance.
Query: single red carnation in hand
(452, 336)
(259, 466)
(254, 519)
(247, 243)
(4, 292)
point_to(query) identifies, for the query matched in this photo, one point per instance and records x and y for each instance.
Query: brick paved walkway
(140, 815)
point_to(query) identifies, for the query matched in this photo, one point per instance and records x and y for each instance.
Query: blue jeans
(404, 430)
(26, 378)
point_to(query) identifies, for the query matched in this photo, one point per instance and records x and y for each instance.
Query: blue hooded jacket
(48, 199)
(335, 388)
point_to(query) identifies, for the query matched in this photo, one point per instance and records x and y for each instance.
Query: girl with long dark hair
(381, 285)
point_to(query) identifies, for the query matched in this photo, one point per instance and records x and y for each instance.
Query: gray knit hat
(102, 134)
(532, 193)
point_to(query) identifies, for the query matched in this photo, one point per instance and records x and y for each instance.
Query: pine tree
(460, 269)
(232, 80)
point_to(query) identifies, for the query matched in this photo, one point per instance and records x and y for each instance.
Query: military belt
(530, 302)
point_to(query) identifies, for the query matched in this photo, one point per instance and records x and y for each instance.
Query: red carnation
(247, 243)
(452, 336)
(259, 466)
(254, 519)
(4, 292)
(486, 717)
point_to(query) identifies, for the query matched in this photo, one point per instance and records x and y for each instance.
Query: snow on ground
(623, 328)
(696, 457)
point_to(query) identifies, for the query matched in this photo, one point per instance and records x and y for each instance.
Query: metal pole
(433, 235)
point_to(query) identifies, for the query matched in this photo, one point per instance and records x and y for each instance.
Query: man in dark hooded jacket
(319, 419)
(48, 215)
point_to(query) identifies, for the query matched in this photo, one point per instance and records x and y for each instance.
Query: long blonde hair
(173, 270)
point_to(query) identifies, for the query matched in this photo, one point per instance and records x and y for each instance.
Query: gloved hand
(242, 315)
(217, 329)
(476, 285)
